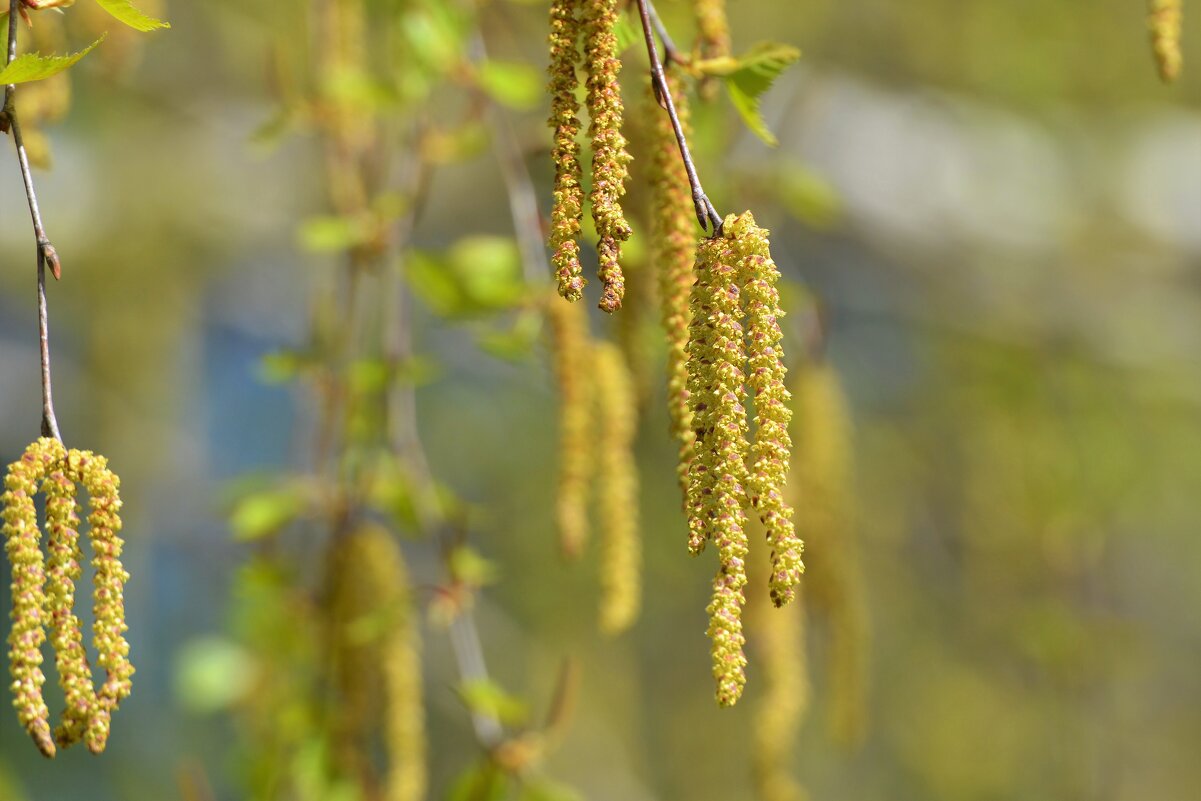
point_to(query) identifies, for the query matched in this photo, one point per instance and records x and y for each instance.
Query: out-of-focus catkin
(621, 557)
(381, 639)
(713, 36)
(570, 353)
(716, 493)
(673, 246)
(564, 119)
(770, 450)
(1165, 19)
(778, 636)
(821, 481)
(610, 160)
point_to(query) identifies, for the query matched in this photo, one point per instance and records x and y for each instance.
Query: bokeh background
(998, 205)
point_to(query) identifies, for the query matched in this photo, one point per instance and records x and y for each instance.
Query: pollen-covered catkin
(673, 246)
(716, 492)
(821, 478)
(1165, 19)
(108, 600)
(22, 535)
(621, 558)
(564, 119)
(771, 447)
(610, 160)
(63, 569)
(570, 354)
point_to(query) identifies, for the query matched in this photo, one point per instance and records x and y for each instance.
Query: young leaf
(124, 11)
(751, 75)
(35, 67)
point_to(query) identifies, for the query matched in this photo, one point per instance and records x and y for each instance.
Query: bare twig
(706, 214)
(670, 51)
(46, 253)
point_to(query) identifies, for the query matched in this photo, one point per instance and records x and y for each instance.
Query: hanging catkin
(779, 639)
(44, 593)
(564, 118)
(570, 353)
(1165, 19)
(610, 161)
(673, 245)
(617, 480)
(713, 37)
(770, 450)
(821, 481)
(716, 493)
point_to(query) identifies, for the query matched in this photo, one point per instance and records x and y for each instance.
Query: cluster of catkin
(43, 593)
(597, 428)
(1164, 19)
(734, 356)
(591, 22)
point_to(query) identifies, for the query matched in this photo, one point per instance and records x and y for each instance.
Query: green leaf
(513, 84)
(478, 274)
(470, 568)
(328, 234)
(261, 514)
(35, 67)
(626, 32)
(752, 74)
(124, 11)
(488, 698)
(212, 673)
(481, 782)
(515, 344)
(542, 789)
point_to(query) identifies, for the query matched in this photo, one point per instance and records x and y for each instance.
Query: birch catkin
(673, 245)
(610, 161)
(1165, 19)
(570, 354)
(44, 593)
(621, 558)
(567, 210)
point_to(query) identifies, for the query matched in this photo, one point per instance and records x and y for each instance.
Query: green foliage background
(999, 207)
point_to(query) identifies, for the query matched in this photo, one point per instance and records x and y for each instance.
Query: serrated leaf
(750, 76)
(124, 11)
(626, 33)
(35, 67)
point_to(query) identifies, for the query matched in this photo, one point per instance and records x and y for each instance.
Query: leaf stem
(706, 214)
(47, 256)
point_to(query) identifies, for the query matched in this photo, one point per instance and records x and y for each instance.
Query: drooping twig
(706, 214)
(46, 253)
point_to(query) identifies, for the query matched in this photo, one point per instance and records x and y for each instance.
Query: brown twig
(706, 214)
(670, 51)
(47, 256)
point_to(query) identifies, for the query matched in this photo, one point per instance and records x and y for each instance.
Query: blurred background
(998, 208)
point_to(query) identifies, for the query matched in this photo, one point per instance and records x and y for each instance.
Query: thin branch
(670, 51)
(46, 253)
(706, 214)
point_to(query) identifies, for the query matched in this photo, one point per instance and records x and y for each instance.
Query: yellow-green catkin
(713, 37)
(778, 636)
(570, 354)
(564, 119)
(400, 659)
(1165, 18)
(716, 355)
(610, 160)
(617, 480)
(821, 479)
(770, 450)
(66, 632)
(29, 617)
(673, 245)
(108, 599)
